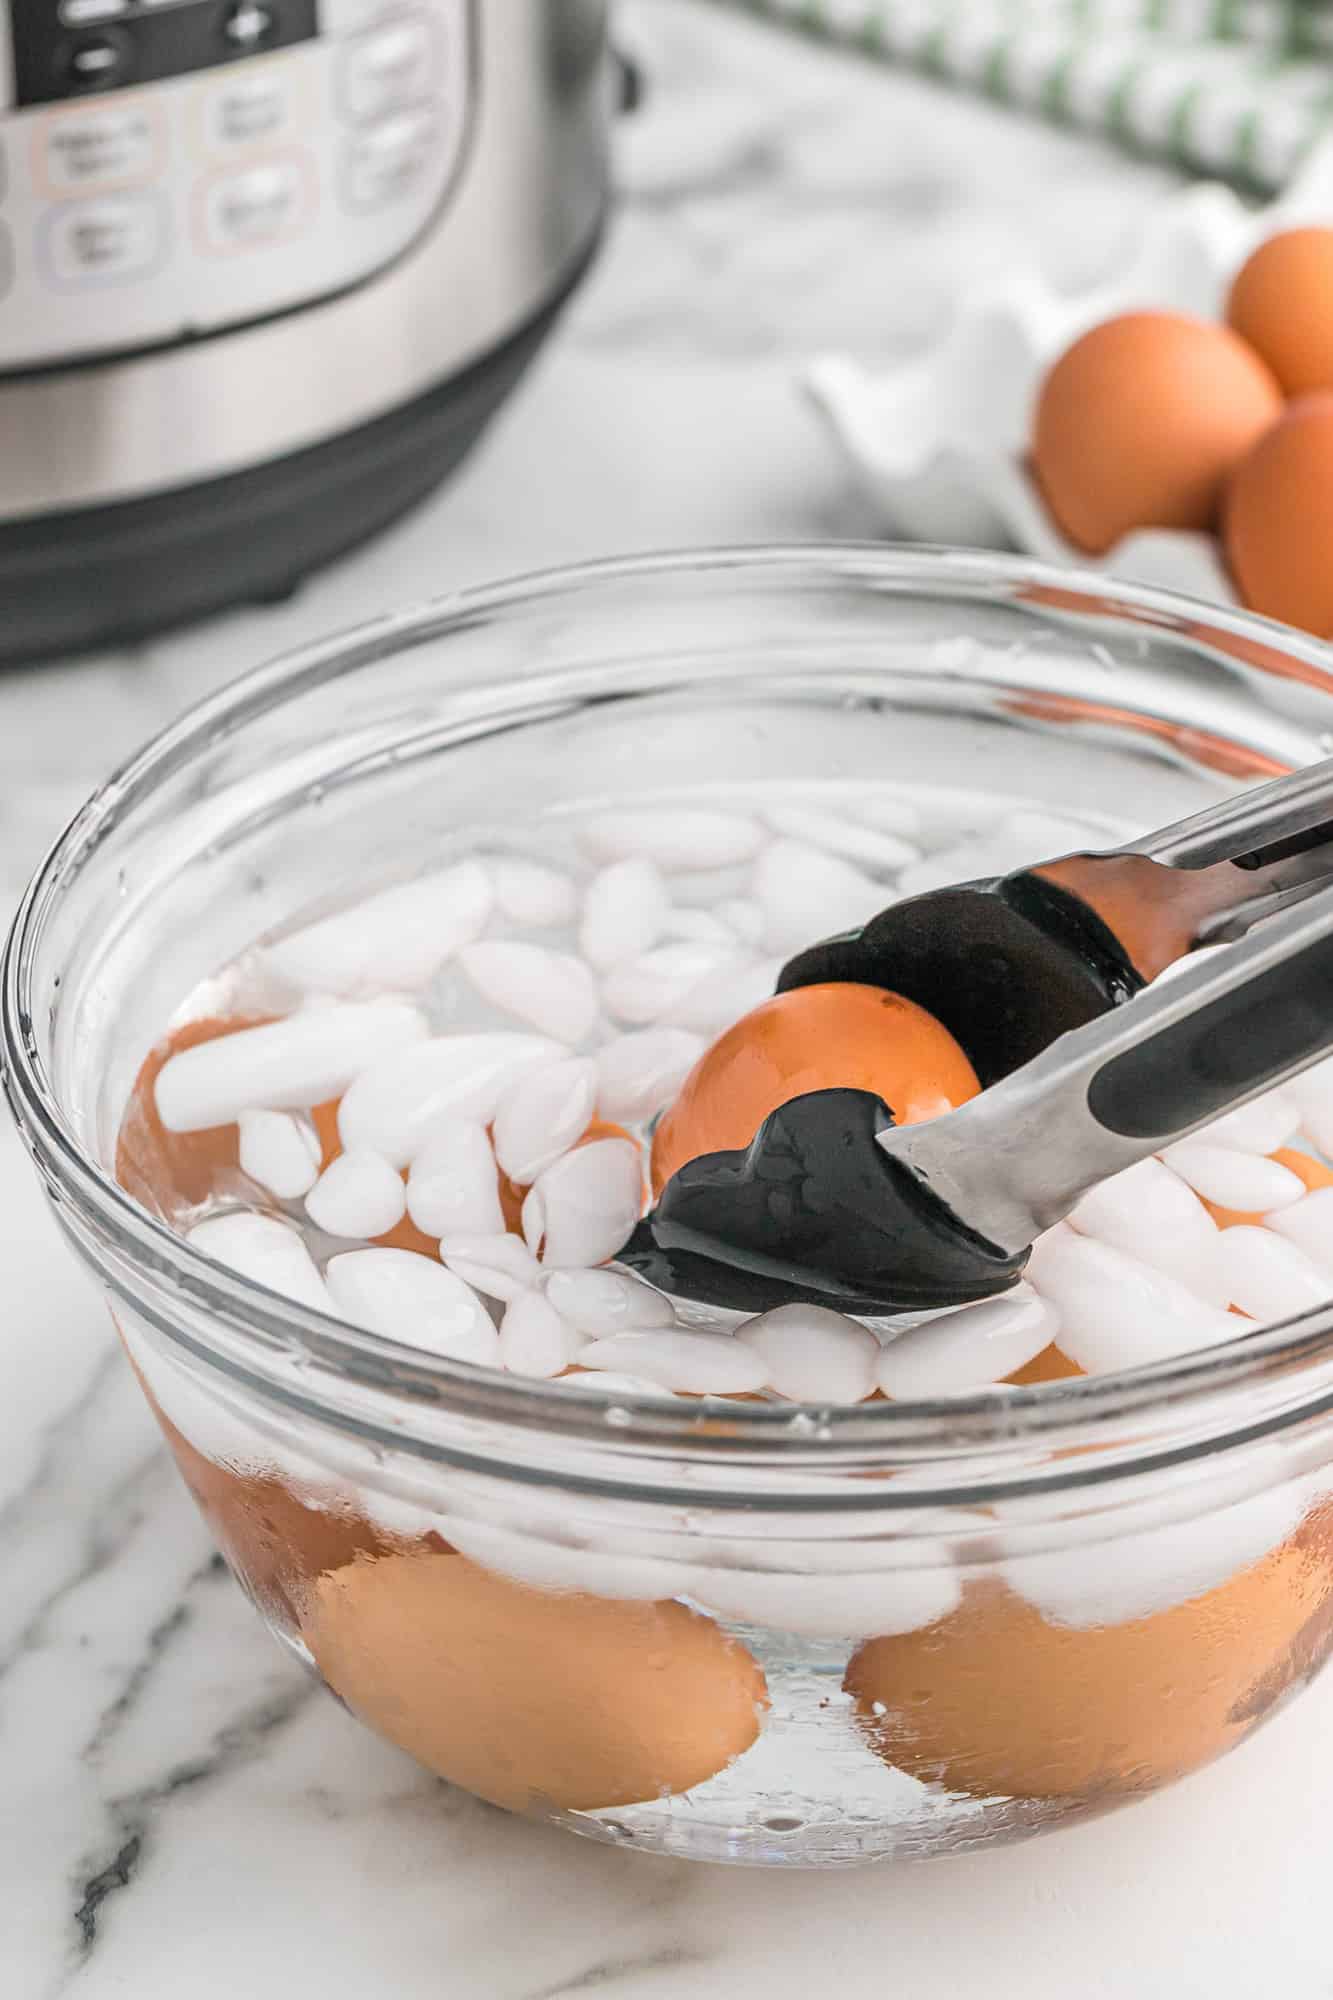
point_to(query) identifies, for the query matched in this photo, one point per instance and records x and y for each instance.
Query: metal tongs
(1011, 962)
(1018, 1157)
(833, 1203)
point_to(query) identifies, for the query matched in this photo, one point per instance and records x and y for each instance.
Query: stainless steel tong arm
(1232, 1024)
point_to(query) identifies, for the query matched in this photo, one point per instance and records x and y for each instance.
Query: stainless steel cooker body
(266, 268)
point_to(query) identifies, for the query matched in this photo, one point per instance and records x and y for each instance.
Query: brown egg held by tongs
(834, 1201)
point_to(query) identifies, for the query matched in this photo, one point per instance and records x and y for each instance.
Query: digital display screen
(82, 48)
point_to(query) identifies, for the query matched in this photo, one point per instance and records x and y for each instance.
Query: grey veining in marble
(181, 1816)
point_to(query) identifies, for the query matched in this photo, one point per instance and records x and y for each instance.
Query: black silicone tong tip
(1006, 965)
(813, 1211)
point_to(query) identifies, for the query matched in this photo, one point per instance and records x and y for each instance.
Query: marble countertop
(180, 1812)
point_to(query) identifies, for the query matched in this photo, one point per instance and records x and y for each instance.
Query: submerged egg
(998, 1700)
(276, 1537)
(833, 1037)
(531, 1697)
(170, 1171)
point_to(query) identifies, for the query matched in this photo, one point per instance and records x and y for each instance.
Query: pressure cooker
(266, 269)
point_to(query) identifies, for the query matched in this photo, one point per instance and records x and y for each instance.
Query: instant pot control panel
(173, 167)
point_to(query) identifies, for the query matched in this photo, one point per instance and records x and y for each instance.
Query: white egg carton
(940, 446)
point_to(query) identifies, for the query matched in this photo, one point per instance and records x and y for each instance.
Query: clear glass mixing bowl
(742, 1631)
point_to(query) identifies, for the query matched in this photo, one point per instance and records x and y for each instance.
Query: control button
(77, 13)
(248, 25)
(246, 109)
(114, 145)
(386, 163)
(97, 61)
(388, 70)
(83, 240)
(258, 205)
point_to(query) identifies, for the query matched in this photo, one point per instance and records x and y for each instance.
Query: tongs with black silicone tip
(1008, 963)
(992, 1175)
(1086, 1069)
(834, 1204)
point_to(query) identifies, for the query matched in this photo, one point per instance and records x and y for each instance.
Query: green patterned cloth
(1237, 88)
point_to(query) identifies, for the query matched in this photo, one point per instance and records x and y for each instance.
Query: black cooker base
(102, 576)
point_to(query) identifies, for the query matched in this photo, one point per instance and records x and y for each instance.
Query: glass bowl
(744, 1631)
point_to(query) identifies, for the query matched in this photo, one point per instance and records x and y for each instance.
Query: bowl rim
(254, 1323)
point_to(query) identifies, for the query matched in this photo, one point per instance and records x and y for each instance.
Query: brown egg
(1048, 1366)
(837, 1036)
(529, 1697)
(170, 1170)
(277, 1541)
(1282, 303)
(404, 1235)
(996, 1700)
(1278, 519)
(1140, 421)
(324, 1118)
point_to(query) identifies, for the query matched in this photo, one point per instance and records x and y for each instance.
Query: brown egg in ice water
(839, 1036)
(167, 1171)
(530, 1697)
(1139, 423)
(1048, 1366)
(171, 1171)
(997, 1700)
(404, 1235)
(276, 1539)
